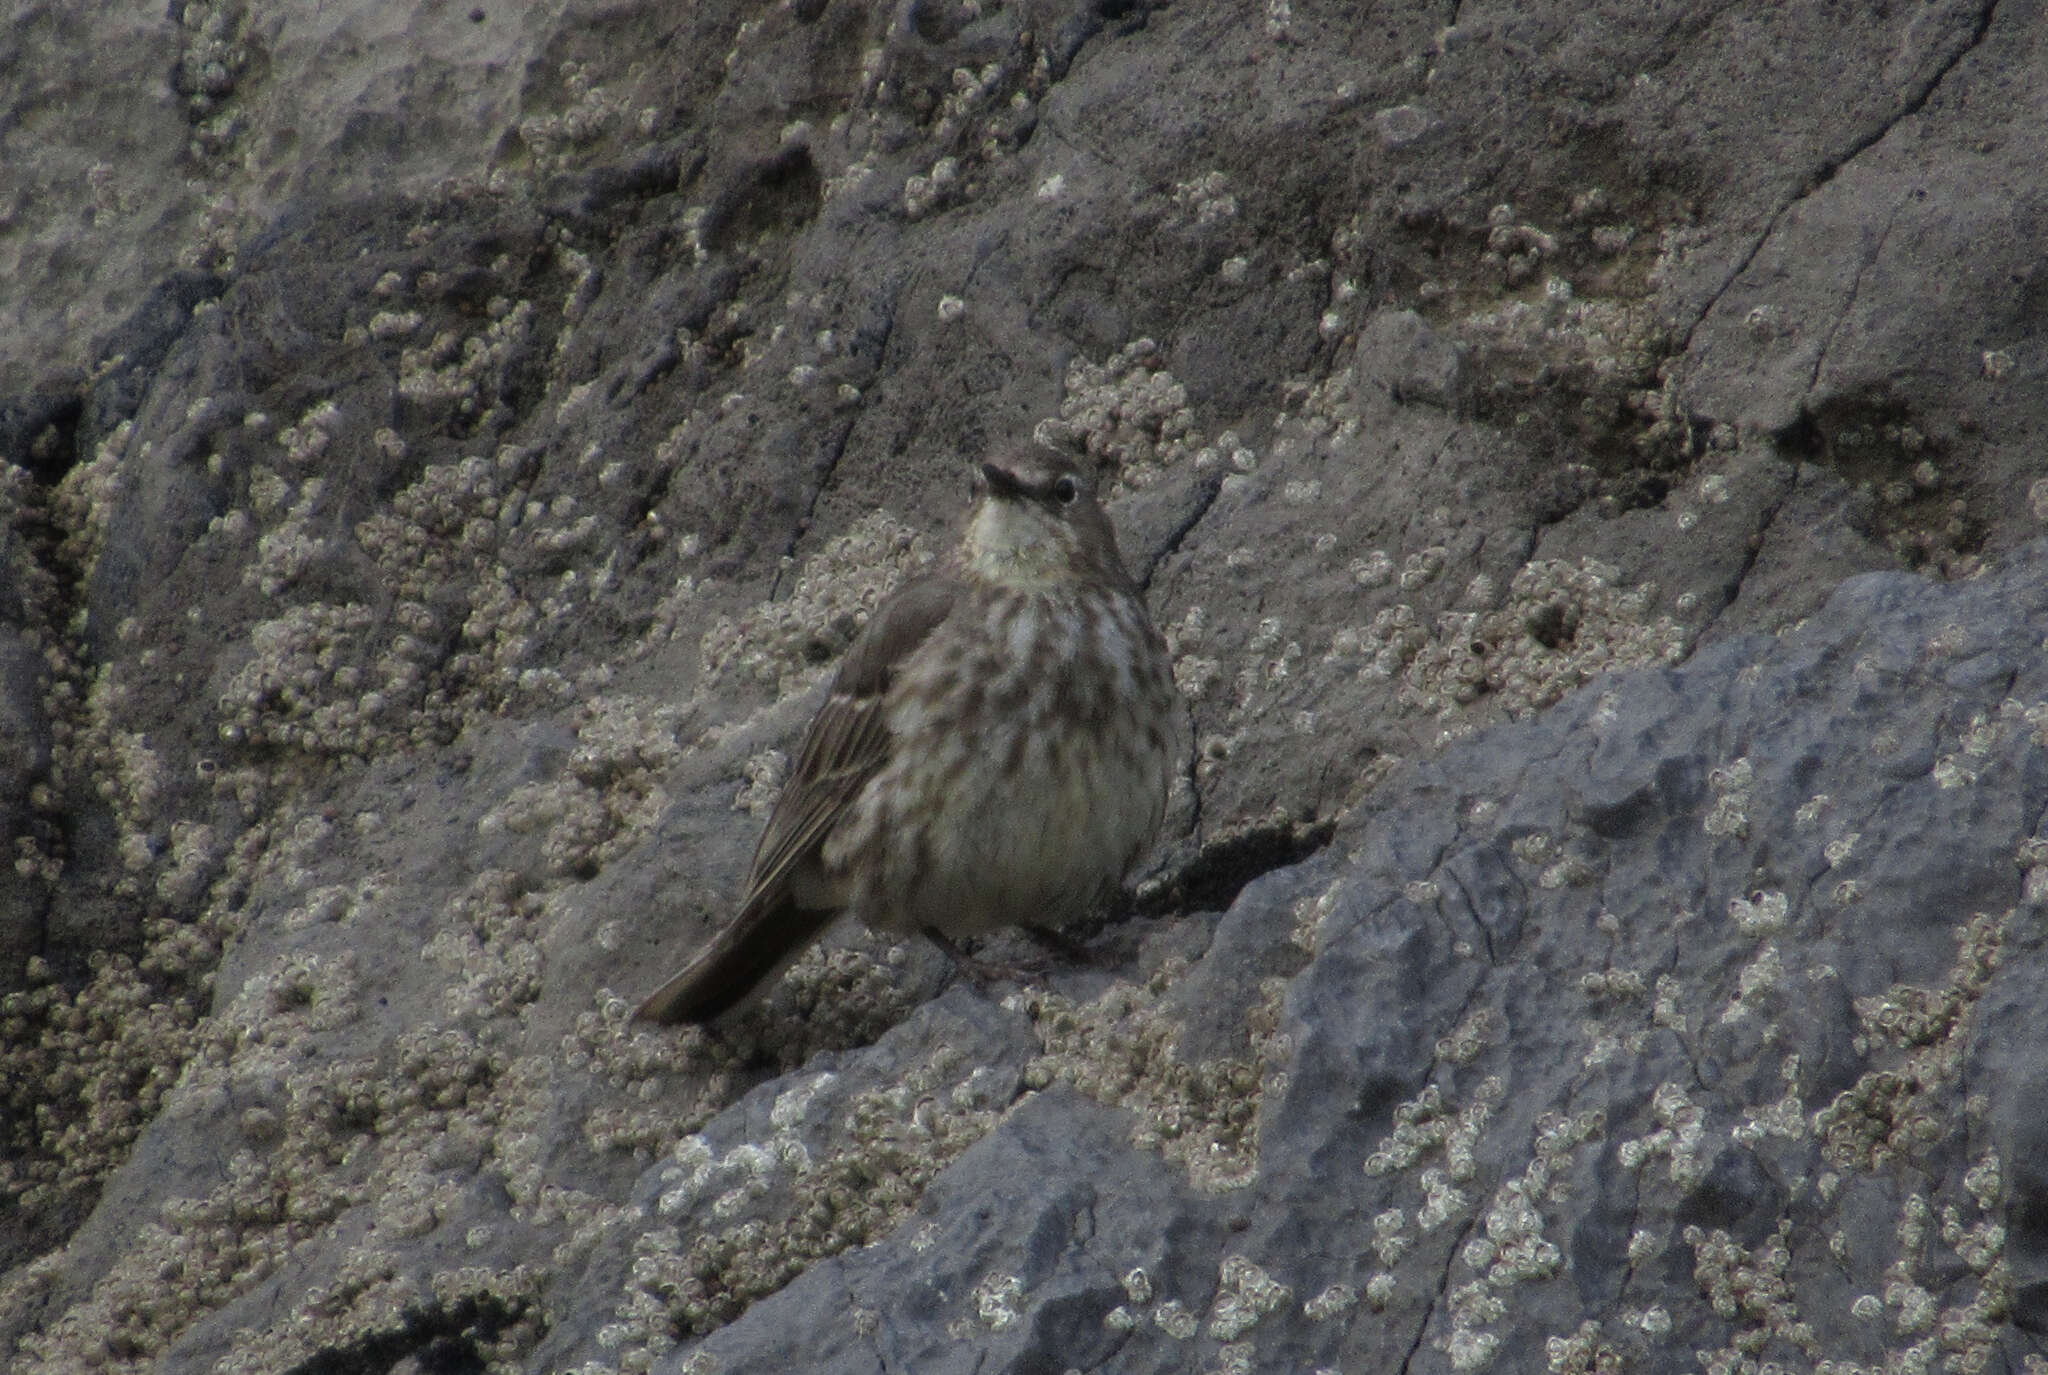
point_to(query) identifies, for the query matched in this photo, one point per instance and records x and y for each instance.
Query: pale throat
(1015, 548)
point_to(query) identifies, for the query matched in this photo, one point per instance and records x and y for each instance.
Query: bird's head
(1036, 523)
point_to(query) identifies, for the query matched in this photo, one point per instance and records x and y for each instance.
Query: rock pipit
(995, 749)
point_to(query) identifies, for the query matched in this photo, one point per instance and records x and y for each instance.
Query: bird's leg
(981, 973)
(1071, 948)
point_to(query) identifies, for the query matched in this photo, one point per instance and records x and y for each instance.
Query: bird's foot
(979, 972)
(1066, 945)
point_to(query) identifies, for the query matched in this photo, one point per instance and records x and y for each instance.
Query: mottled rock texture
(1587, 460)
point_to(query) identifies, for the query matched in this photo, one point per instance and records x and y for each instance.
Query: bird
(995, 749)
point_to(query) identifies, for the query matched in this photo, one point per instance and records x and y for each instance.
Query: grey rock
(1594, 1021)
(24, 763)
(1398, 351)
(444, 449)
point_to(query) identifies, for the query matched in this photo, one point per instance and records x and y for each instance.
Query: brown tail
(760, 943)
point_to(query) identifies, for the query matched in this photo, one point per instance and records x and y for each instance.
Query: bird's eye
(1066, 491)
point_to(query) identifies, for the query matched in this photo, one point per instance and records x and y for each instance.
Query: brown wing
(846, 745)
(848, 740)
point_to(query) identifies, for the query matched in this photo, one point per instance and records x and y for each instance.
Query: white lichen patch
(1119, 1049)
(318, 1136)
(1730, 785)
(288, 503)
(1985, 1179)
(1757, 985)
(759, 1227)
(1389, 1239)
(285, 551)
(1467, 1347)
(370, 1286)
(1206, 200)
(1428, 1124)
(1176, 1320)
(1245, 1293)
(997, 1301)
(1476, 1031)
(1128, 413)
(1681, 1136)
(1311, 911)
(456, 368)
(1751, 1288)
(91, 1067)
(1920, 1033)
(1550, 325)
(487, 947)
(1786, 1117)
(1961, 767)
(83, 503)
(329, 679)
(1559, 625)
(1760, 914)
(922, 194)
(611, 792)
(763, 773)
(1510, 1247)
(1583, 1353)
(1571, 870)
(1333, 1301)
(787, 644)
(589, 109)
(296, 689)
(1614, 983)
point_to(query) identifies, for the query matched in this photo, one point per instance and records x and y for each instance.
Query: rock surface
(442, 447)
(1650, 1027)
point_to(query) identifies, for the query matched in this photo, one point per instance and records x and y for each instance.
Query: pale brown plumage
(994, 749)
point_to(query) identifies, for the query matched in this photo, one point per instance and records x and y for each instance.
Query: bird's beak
(1000, 482)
